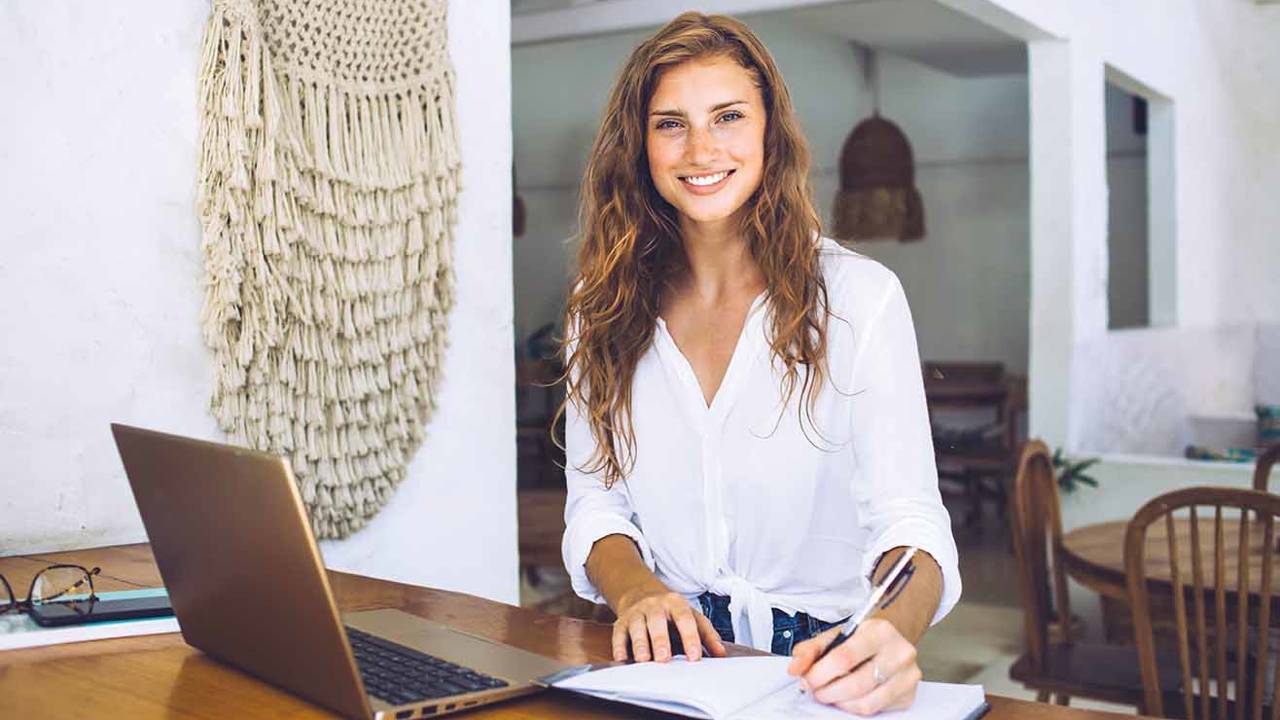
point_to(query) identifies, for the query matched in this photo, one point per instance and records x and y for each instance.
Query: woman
(746, 434)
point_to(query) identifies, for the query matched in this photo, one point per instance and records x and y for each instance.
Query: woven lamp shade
(878, 199)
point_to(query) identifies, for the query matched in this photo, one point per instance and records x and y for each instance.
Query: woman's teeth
(702, 180)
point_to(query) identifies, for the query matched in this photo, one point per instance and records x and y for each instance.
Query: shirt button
(786, 633)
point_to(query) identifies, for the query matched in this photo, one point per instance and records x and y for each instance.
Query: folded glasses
(50, 584)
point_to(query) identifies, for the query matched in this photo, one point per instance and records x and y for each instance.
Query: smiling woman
(705, 139)
(738, 465)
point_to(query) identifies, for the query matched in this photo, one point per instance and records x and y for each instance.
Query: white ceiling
(923, 30)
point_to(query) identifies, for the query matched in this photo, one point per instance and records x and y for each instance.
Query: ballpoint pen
(898, 576)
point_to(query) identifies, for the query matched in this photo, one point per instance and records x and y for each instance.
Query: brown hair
(630, 240)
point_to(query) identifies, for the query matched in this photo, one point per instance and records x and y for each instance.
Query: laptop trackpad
(503, 661)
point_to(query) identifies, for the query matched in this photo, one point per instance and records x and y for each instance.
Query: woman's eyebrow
(681, 113)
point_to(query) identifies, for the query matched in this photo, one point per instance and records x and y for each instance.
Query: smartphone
(76, 612)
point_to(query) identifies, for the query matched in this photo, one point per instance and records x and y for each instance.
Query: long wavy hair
(630, 242)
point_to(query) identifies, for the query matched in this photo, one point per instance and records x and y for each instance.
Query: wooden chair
(1262, 470)
(539, 461)
(981, 468)
(1054, 662)
(1241, 685)
(540, 514)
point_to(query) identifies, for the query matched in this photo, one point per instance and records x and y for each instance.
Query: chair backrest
(1262, 471)
(1036, 523)
(965, 372)
(1226, 557)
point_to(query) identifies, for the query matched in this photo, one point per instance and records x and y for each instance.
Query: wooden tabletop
(1094, 555)
(161, 677)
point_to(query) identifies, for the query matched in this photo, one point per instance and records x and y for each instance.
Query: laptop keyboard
(401, 675)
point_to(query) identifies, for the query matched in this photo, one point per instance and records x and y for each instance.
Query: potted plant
(1071, 472)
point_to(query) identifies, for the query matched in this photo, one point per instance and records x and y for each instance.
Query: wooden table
(161, 677)
(1094, 556)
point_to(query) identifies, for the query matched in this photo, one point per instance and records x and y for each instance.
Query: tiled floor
(975, 643)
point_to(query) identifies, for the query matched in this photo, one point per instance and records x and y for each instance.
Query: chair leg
(1042, 696)
(1063, 699)
(973, 486)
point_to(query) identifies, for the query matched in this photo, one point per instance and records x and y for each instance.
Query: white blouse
(742, 500)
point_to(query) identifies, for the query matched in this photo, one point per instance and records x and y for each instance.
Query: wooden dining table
(1093, 555)
(160, 676)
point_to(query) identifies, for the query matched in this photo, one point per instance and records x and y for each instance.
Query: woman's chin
(708, 216)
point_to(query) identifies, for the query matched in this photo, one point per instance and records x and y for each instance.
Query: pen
(877, 594)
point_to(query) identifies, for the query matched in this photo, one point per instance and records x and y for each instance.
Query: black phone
(76, 612)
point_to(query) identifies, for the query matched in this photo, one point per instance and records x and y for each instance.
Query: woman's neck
(720, 263)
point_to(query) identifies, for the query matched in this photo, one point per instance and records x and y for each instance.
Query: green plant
(1071, 472)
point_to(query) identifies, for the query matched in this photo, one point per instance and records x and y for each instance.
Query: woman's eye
(731, 116)
(667, 124)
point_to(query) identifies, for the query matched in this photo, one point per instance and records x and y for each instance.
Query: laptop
(232, 541)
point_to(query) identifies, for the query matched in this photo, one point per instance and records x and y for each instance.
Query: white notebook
(18, 630)
(750, 688)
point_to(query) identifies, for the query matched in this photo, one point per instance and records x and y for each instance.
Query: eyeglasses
(51, 583)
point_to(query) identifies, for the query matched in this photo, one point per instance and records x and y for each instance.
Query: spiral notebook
(747, 688)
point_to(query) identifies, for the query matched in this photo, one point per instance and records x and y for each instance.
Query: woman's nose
(701, 148)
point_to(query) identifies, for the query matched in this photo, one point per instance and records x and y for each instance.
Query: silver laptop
(235, 549)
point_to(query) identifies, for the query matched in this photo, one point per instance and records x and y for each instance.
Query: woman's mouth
(705, 184)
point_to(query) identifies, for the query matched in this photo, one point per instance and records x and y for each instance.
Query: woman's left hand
(873, 671)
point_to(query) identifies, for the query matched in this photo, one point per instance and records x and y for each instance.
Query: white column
(1049, 364)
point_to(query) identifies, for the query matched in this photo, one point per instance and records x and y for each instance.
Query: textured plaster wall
(1266, 371)
(1214, 61)
(100, 291)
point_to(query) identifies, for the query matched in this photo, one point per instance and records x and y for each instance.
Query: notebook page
(934, 701)
(711, 687)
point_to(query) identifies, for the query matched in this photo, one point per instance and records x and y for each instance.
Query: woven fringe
(879, 214)
(327, 216)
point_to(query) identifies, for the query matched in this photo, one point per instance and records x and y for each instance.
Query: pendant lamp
(878, 199)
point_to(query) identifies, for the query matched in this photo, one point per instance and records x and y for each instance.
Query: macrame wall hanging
(878, 199)
(328, 180)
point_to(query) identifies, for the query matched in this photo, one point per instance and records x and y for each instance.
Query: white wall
(1216, 61)
(100, 291)
(1266, 371)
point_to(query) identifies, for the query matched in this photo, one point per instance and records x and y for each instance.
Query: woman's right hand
(644, 623)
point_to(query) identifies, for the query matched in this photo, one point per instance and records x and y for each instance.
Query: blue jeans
(787, 629)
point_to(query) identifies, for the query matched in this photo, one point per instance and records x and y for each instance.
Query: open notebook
(749, 688)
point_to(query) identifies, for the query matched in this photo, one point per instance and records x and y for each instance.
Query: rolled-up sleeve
(591, 512)
(896, 482)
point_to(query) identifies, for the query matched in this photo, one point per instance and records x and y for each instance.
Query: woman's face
(705, 138)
